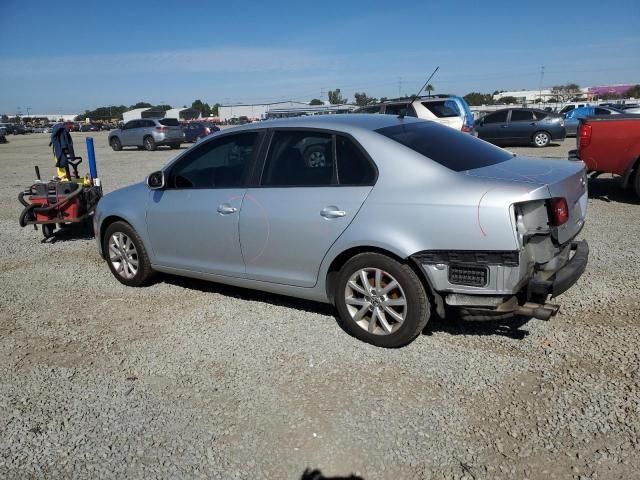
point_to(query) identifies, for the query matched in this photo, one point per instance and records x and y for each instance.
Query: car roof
(339, 122)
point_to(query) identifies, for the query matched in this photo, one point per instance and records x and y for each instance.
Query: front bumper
(565, 277)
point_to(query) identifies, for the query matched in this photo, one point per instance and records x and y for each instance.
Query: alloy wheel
(123, 255)
(541, 139)
(376, 301)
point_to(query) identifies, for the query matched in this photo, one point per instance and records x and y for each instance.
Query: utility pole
(322, 93)
(28, 110)
(399, 86)
(540, 85)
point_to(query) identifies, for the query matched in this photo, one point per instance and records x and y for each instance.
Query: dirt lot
(186, 379)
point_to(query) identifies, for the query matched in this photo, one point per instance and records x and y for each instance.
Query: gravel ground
(188, 379)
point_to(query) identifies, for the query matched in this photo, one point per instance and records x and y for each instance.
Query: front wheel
(381, 301)
(541, 139)
(149, 144)
(126, 255)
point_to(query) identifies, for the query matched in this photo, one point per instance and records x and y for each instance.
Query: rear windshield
(443, 109)
(450, 148)
(169, 122)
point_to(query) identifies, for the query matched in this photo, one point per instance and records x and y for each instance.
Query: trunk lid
(562, 178)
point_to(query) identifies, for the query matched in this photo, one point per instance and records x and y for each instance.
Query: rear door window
(443, 109)
(300, 159)
(602, 111)
(541, 115)
(450, 148)
(522, 116)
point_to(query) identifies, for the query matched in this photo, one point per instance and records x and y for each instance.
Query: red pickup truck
(611, 144)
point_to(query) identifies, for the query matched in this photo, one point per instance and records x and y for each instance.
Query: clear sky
(73, 55)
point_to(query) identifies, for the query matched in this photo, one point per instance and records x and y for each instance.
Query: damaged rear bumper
(565, 277)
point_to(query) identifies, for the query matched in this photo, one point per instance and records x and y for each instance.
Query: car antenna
(413, 98)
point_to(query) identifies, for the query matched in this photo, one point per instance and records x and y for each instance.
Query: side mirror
(155, 181)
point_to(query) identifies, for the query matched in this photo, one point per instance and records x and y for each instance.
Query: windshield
(169, 122)
(450, 148)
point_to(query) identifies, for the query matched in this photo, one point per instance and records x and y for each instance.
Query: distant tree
(506, 100)
(477, 98)
(203, 108)
(566, 92)
(336, 98)
(497, 92)
(316, 101)
(215, 110)
(162, 107)
(383, 99)
(5, 118)
(429, 88)
(362, 99)
(141, 105)
(633, 92)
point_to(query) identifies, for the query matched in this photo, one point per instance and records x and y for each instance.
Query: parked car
(572, 117)
(147, 133)
(38, 129)
(194, 131)
(610, 145)
(404, 217)
(632, 110)
(3, 135)
(528, 126)
(48, 128)
(87, 127)
(441, 110)
(571, 106)
(18, 129)
(8, 127)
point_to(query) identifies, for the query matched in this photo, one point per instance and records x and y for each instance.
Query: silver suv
(390, 219)
(147, 133)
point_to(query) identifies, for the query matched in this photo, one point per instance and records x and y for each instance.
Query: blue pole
(93, 171)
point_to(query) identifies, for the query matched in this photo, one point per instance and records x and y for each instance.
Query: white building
(256, 111)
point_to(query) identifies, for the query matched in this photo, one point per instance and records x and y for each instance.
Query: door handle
(226, 209)
(332, 212)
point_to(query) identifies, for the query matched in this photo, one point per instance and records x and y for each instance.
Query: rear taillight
(466, 128)
(558, 211)
(207, 131)
(162, 129)
(584, 135)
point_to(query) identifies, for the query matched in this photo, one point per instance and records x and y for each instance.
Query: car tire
(116, 144)
(149, 144)
(126, 256)
(379, 316)
(174, 146)
(315, 156)
(541, 139)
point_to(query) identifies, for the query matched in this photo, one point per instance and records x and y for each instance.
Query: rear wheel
(149, 144)
(381, 301)
(116, 144)
(541, 139)
(126, 255)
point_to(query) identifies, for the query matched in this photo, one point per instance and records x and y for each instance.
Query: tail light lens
(584, 135)
(466, 128)
(559, 211)
(162, 129)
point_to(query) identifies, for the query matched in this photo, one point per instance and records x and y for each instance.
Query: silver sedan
(390, 219)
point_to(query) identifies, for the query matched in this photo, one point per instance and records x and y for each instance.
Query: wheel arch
(632, 169)
(542, 130)
(338, 262)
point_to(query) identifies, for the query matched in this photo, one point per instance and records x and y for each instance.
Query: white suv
(444, 110)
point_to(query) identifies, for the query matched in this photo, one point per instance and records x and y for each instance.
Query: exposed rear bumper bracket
(564, 278)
